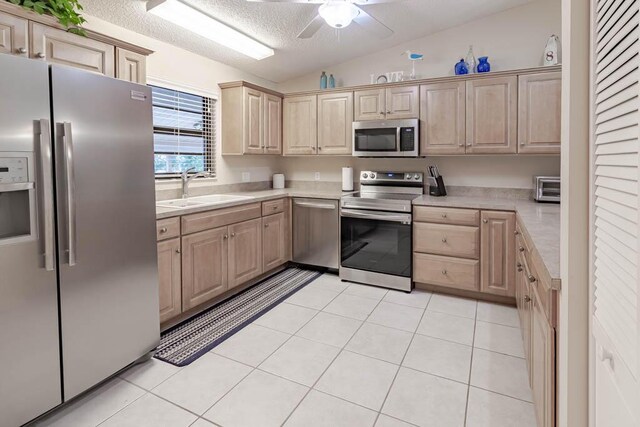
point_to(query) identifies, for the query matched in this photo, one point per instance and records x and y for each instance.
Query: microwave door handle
(398, 140)
(46, 180)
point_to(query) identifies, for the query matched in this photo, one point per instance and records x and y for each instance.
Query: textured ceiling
(278, 24)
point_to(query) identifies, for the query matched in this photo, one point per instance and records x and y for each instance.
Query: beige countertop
(541, 220)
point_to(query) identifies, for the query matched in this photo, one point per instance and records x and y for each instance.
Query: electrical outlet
(317, 176)
(246, 177)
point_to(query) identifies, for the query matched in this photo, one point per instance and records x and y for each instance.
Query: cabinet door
(274, 243)
(497, 253)
(402, 102)
(272, 124)
(60, 47)
(335, 122)
(169, 279)
(300, 125)
(369, 104)
(245, 251)
(539, 113)
(131, 66)
(253, 121)
(13, 34)
(442, 116)
(492, 115)
(204, 266)
(542, 365)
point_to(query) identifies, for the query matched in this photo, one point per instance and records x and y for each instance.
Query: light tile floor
(335, 354)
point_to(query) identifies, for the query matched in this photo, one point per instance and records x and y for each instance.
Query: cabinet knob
(163, 230)
(521, 249)
(388, 112)
(40, 55)
(177, 251)
(319, 148)
(444, 215)
(21, 50)
(444, 240)
(531, 278)
(233, 234)
(381, 113)
(266, 226)
(516, 232)
(444, 272)
(485, 221)
(527, 298)
(225, 237)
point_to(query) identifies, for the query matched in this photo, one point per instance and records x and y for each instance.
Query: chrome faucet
(186, 180)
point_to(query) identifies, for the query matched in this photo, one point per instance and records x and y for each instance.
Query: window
(183, 132)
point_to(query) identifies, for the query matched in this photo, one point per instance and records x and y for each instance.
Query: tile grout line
(473, 342)
(125, 406)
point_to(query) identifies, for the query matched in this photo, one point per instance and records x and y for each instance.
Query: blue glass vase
(461, 68)
(323, 80)
(483, 64)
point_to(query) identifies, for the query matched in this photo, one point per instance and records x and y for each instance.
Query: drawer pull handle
(521, 249)
(163, 230)
(531, 278)
(527, 298)
(444, 240)
(444, 272)
(519, 265)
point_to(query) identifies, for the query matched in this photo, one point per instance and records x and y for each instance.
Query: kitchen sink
(213, 199)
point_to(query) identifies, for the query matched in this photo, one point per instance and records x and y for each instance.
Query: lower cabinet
(204, 266)
(169, 278)
(274, 241)
(542, 364)
(245, 251)
(497, 249)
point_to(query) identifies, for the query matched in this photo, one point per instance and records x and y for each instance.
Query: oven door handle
(380, 216)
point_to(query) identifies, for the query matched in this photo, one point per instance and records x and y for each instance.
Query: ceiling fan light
(338, 14)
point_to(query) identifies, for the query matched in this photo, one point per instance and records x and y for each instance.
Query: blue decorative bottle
(461, 68)
(332, 81)
(323, 80)
(483, 64)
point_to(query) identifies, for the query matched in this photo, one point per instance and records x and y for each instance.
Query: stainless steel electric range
(375, 229)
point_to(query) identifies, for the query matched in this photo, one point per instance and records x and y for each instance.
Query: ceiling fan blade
(372, 25)
(312, 28)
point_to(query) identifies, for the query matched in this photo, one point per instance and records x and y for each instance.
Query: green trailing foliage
(67, 12)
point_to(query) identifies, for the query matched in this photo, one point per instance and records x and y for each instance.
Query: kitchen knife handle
(71, 190)
(46, 180)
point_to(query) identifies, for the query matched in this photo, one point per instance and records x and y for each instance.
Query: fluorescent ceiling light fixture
(338, 14)
(193, 20)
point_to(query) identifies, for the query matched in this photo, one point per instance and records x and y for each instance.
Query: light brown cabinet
(542, 364)
(492, 115)
(442, 118)
(497, 232)
(300, 125)
(60, 47)
(335, 118)
(539, 105)
(251, 120)
(131, 66)
(169, 279)
(275, 238)
(401, 102)
(204, 266)
(245, 251)
(13, 34)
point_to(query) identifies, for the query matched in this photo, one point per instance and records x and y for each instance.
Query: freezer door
(29, 335)
(106, 223)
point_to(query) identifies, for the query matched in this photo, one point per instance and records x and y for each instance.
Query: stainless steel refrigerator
(78, 267)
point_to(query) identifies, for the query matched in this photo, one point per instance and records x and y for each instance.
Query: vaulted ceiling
(278, 24)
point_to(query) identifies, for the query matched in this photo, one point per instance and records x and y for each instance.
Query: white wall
(188, 70)
(511, 39)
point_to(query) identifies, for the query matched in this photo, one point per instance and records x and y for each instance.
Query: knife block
(436, 186)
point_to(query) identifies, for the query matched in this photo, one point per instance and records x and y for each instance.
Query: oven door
(377, 242)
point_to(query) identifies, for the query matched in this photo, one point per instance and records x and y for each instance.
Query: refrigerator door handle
(70, 184)
(46, 180)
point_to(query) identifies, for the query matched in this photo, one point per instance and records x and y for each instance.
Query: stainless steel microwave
(386, 138)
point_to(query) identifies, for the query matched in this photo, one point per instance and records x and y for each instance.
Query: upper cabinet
(400, 102)
(442, 118)
(41, 37)
(492, 115)
(300, 121)
(335, 118)
(539, 113)
(251, 120)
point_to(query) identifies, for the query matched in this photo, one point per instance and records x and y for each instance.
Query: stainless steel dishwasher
(316, 232)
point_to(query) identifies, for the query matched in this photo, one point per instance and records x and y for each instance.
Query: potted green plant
(67, 12)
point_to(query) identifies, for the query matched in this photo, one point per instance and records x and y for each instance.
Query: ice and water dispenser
(17, 197)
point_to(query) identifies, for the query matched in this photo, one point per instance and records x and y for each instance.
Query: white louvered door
(616, 203)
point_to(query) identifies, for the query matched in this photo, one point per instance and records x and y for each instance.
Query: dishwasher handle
(310, 205)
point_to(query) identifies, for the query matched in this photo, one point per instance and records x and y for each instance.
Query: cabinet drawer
(168, 228)
(272, 207)
(220, 217)
(446, 215)
(442, 239)
(456, 273)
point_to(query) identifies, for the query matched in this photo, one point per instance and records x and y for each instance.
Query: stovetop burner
(386, 191)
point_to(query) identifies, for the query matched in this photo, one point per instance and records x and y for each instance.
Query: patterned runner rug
(187, 341)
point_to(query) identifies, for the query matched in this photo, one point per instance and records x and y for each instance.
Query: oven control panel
(400, 178)
(13, 170)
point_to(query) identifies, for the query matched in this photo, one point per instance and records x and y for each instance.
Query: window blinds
(616, 197)
(184, 132)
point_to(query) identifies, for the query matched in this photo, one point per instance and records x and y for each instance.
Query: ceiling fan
(339, 14)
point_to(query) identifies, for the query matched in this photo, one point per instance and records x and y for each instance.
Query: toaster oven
(547, 189)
